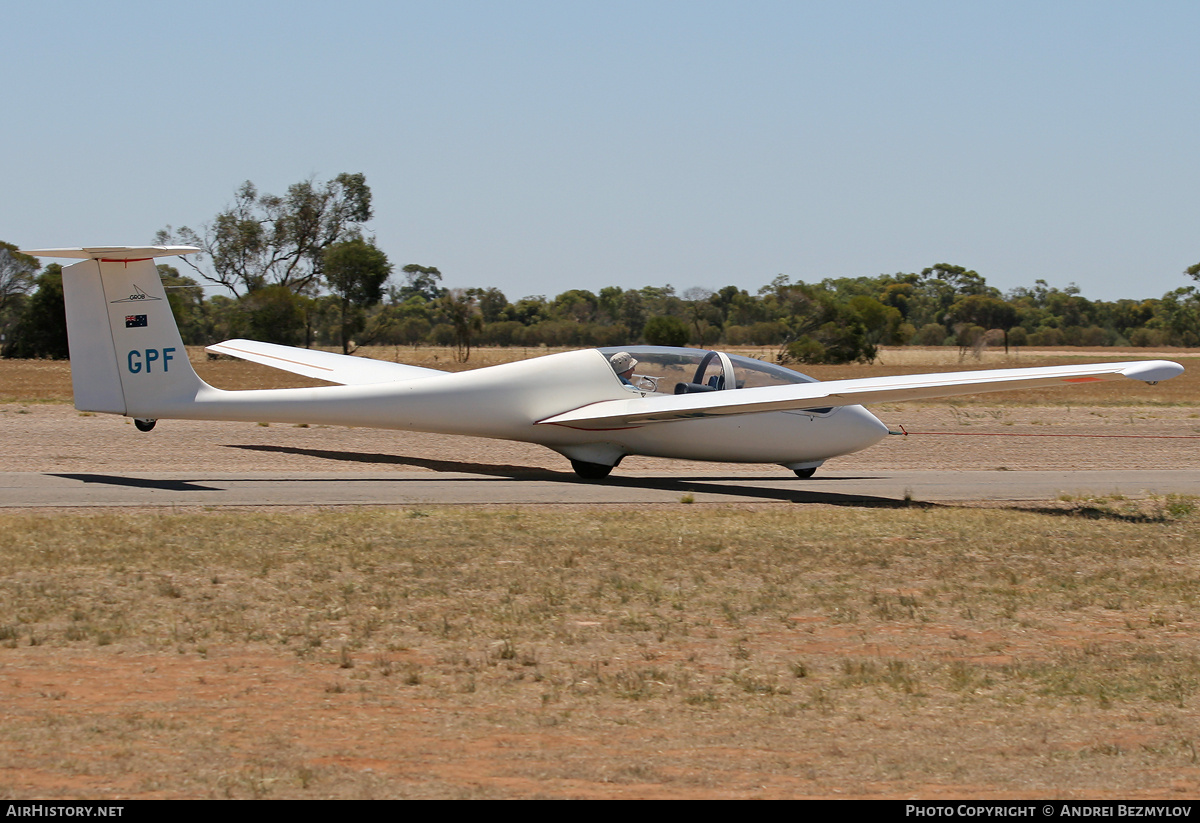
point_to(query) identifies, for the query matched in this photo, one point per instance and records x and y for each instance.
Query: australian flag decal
(135, 321)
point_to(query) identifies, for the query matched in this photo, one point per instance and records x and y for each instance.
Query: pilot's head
(622, 363)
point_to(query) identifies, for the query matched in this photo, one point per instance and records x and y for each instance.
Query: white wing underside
(638, 411)
(322, 365)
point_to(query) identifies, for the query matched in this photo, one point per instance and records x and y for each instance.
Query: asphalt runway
(510, 486)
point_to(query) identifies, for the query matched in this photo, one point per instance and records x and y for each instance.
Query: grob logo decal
(137, 296)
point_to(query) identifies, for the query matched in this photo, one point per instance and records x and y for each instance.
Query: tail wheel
(804, 474)
(143, 425)
(591, 471)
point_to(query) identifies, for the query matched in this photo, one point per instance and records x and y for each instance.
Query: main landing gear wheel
(143, 425)
(591, 471)
(804, 474)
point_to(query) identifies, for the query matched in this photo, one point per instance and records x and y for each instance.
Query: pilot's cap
(622, 362)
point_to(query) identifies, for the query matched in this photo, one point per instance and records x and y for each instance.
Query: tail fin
(126, 353)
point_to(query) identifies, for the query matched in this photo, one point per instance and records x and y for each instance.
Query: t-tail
(126, 353)
(127, 357)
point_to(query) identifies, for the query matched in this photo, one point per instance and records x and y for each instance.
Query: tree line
(302, 270)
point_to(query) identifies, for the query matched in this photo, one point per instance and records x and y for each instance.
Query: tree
(660, 300)
(274, 314)
(266, 240)
(405, 323)
(632, 313)
(530, 310)
(186, 297)
(16, 273)
(578, 305)
(962, 280)
(736, 307)
(459, 307)
(492, 304)
(936, 289)
(819, 328)
(421, 281)
(1178, 314)
(986, 312)
(16, 279)
(665, 331)
(42, 329)
(882, 323)
(842, 338)
(355, 271)
(703, 313)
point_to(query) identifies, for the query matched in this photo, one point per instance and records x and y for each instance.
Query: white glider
(127, 358)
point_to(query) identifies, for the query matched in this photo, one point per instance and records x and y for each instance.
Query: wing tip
(1152, 371)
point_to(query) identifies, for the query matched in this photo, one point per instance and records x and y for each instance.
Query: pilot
(622, 363)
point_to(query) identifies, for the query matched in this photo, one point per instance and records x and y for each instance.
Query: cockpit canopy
(666, 370)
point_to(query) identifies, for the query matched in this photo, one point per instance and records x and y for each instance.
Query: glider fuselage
(509, 401)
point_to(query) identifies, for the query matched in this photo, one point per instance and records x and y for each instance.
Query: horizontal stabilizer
(639, 411)
(113, 252)
(322, 365)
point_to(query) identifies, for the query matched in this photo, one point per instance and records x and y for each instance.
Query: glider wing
(323, 365)
(638, 411)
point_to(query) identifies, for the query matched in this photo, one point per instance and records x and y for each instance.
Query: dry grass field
(681, 651)
(672, 652)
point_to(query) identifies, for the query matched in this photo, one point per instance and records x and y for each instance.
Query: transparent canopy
(666, 370)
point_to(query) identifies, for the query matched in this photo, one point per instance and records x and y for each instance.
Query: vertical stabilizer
(126, 353)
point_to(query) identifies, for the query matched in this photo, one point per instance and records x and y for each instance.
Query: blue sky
(542, 146)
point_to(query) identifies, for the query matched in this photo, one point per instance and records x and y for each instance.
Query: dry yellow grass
(674, 652)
